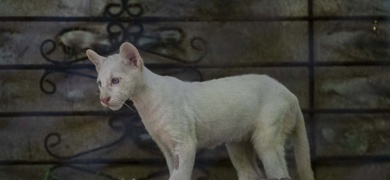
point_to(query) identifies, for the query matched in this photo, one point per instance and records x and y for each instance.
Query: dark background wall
(333, 54)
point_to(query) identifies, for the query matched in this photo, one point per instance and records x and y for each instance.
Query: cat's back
(239, 89)
(249, 83)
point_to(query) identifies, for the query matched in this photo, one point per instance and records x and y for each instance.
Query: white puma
(251, 114)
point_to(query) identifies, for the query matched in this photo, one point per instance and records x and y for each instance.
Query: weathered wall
(229, 43)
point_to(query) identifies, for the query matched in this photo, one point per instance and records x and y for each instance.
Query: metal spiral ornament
(54, 139)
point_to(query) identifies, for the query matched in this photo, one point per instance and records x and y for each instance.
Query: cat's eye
(99, 83)
(115, 80)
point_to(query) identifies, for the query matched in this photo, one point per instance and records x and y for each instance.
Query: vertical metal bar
(311, 68)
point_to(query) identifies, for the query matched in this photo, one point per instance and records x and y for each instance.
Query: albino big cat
(251, 114)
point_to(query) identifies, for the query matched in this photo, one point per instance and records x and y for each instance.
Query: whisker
(129, 107)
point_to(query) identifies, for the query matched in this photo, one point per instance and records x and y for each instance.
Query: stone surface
(353, 135)
(352, 172)
(23, 93)
(352, 7)
(15, 50)
(52, 8)
(78, 134)
(351, 41)
(352, 87)
(226, 9)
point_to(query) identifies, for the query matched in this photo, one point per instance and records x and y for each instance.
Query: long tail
(302, 150)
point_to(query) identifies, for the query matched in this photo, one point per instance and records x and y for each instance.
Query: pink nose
(105, 100)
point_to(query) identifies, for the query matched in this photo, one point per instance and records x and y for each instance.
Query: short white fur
(251, 114)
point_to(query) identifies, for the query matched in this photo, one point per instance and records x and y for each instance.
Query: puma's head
(119, 75)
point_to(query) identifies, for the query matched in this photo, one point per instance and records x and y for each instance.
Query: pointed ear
(130, 55)
(94, 58)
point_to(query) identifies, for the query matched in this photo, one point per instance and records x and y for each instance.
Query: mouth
(113, 106)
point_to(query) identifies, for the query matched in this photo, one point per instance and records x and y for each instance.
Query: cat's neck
(150, 83)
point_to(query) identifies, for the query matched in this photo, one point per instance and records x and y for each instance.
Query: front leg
(167, 154)
(183, 160)
(168, 159)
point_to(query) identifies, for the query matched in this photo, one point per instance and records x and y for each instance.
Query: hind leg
(269, 136)
(269, 144)
(243, 158)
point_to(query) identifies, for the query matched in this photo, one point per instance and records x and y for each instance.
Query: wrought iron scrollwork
(131, 10)
(196, 43)
(117, 32)
(48, 82)
(54, 139)
(50, 176)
